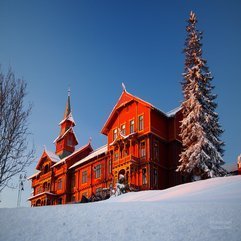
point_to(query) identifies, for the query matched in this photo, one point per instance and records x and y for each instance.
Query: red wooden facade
(143, 144)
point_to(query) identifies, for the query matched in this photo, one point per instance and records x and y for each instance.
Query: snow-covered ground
(204, 210)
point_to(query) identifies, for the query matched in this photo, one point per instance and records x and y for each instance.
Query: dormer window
(46, 168)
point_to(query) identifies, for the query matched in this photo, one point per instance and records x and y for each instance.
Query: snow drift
(204, 210)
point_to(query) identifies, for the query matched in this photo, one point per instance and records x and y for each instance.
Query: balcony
(45, 175)
(121, 161)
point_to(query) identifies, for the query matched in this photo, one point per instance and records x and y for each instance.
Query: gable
(48, 157)
(124, 100)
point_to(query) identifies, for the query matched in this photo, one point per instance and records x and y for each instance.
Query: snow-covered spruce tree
(201, 157)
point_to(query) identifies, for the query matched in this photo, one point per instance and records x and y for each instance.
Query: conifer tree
(201, 157)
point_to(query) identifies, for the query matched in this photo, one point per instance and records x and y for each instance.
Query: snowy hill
(204, 210)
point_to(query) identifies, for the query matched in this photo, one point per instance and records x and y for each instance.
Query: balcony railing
(45, 175)
(126, 159)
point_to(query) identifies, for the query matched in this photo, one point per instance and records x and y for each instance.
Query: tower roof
(66, 140)
(68, 107)
(68, 111)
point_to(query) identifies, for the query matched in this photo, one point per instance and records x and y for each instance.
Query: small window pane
(123, 129)
(144, 181)
(142, 149)
(98, 171)
(114, 134)
(84, 177)
(141, 123)
(132, 123)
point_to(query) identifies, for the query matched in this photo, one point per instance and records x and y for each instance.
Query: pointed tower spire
(68, 106)
(123, 87)
(66, 141)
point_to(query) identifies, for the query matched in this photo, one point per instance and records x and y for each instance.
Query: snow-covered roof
(52, 156)
(239, 158)
(174, 111)
(69, 117)
(61, 161)
(93, 154)
(72, 154)
(34, 175)
(168, 114)
(68, 130)
(42, 193)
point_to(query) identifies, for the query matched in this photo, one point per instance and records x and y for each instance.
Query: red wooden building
(143, 144)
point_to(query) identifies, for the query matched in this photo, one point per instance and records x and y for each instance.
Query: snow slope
(204, 210)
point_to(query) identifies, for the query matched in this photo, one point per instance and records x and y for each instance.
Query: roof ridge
(99, 148)
(79, 149)
(90, 156)
(61, 136)
(174, 111)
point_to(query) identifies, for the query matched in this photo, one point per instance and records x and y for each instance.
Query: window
(123, 129)
(69, 142)
(141, 123)
(46, 168)
(59, 184)
(84, 177)
(38, 190)
(156, 150)
(59, 201)
(132, 123)
(98, 171)
(114, 134)
(155, 177)
(142, 149)
(116, 156)
(125, 152)
(144, 181)
(110, 166)
(45, 186)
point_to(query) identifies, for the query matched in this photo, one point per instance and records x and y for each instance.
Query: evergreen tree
(200, 130)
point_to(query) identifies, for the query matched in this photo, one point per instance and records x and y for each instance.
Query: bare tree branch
(15, 152)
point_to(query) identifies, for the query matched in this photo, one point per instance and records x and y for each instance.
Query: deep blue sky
(93, 46)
